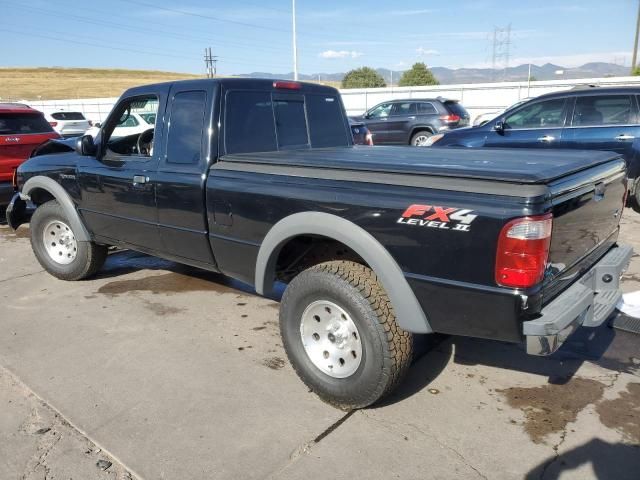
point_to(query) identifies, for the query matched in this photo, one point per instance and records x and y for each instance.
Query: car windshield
(23, 124)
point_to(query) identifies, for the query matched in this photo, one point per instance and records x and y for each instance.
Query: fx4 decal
(431, 216)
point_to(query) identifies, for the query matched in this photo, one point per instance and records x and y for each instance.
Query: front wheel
(55, 245)
(419, 139)
(341, 335)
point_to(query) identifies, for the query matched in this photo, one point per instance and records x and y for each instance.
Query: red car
(21, 130)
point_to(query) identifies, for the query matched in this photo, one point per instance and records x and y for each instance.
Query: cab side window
(403, 109)
(602, 110)
(381, 111)
(186, 127)
(426, 109)
(125, 135)
(545, 114)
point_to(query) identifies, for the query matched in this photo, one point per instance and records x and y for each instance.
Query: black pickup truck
(259, 180)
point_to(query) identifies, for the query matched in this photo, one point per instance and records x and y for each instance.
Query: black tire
(386, 348)
(418, 135)
(89, 256)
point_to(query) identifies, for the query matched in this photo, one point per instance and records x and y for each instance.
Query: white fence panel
(478, 98)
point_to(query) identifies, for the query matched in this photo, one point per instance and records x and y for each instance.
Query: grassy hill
(62, 83)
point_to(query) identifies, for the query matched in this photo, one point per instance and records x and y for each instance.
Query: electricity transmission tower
(210, 63)
(501, 52)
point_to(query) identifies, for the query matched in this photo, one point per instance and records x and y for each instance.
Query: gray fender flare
(408, 311)
(63, 198)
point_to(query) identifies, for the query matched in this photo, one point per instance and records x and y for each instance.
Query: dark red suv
(21, 130)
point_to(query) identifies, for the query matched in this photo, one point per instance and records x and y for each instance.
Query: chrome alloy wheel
(421, 140)
(331, 339)
(60, 242)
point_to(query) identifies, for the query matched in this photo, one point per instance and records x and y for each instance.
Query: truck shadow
(608, 460)
(604, 346)
(611, 349)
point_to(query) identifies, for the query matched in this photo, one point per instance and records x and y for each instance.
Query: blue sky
(334, 36)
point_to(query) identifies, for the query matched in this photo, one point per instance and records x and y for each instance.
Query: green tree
(417, 75)
(635, 71)
(364, 77)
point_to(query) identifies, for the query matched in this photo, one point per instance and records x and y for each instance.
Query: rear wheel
(341, 336)
(419, 139)
(55, 245)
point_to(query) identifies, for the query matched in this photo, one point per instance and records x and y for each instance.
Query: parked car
(412, 121)
(134, 124)
(595, 118)
(486, 117)
(373, 244)
(68, 124)
(21, 130)
(361, 134)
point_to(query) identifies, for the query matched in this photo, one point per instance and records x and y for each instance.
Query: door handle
(623, 137)
(547, 139)
(140, 179)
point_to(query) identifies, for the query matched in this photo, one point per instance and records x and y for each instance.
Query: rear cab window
(23, 124)
(264, 121)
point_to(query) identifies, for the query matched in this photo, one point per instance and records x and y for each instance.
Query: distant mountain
(481, 75)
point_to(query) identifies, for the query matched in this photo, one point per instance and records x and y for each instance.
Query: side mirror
(97, 125)
(499, 126)
(85, 146)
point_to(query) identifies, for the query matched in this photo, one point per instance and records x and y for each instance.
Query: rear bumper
(587, 303)
(6, 192)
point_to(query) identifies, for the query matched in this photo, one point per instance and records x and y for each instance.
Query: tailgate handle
(547, 138)
(598, 192)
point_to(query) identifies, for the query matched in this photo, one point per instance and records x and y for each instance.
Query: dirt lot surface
(159, 371)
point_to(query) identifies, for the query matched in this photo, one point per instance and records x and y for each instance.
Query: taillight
(53, 124)
(450, 118)
(369, 139)
(287, 85)
(523, 251)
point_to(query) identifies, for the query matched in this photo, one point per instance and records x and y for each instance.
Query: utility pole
(634, 59)
(501, 50)
(295, 46)
(210, 62)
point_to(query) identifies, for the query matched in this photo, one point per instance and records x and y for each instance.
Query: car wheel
(55, 246)
(419, 139)
(341, 336)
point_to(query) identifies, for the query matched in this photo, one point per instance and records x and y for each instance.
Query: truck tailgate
(586, 210)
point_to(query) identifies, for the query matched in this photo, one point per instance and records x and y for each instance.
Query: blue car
(592, 118)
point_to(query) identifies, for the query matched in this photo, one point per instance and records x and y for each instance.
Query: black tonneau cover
(499, 164)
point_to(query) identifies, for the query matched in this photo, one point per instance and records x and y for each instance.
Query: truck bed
(525, 166)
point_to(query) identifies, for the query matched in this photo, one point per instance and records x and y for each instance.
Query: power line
(208, 17)
(137, 29)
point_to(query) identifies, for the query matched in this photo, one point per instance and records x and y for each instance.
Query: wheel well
(420, 129)
(304, 251)
(40, 196)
